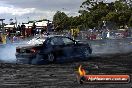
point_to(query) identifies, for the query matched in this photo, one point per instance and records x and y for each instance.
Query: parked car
(52, 47)
(119, 35)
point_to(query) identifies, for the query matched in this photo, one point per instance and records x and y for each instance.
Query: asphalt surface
(109, 57)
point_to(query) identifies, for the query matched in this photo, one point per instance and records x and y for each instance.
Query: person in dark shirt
(19, 30)
(0, 39)
(33, 29)
(23, 29)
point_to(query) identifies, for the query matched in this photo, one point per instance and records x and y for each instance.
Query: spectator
(0, 38)
(23, 29)
(18, 30)
(33, 29)
(14, 29)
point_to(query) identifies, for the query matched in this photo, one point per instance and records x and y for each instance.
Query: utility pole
(16, 21)
(2, 25)
(28, 19)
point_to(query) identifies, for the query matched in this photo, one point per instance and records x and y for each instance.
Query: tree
(123, 11)
(30, 21)
(60, 21)
(95, 12)
(130, 21)
(11, 22)
(42, 20)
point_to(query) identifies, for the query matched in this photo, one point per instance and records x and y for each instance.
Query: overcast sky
(25, 10)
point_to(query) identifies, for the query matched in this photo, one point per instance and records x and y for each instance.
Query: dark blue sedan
(51, 48)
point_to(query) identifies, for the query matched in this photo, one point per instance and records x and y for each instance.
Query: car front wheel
(86, 52)
(51, 57)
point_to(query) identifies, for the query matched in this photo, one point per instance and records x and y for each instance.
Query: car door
(57, 46)
(69, 47)
(79, 49)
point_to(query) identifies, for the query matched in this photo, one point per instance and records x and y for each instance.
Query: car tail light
(33, 50)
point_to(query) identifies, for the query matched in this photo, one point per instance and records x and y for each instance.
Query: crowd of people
(22, 32)
(17, 32)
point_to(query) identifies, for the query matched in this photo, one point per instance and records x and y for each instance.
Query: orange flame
(81, 71)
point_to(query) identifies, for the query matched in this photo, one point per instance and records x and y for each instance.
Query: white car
(119, 35)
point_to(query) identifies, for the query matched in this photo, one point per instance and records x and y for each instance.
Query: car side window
(68, 41)
(57, 41)
(47, 42)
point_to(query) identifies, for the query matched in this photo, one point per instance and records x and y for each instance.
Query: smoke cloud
(7, 51)
(112, 46)
(100, 47)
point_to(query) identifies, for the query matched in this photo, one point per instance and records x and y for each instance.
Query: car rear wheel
(51, 57)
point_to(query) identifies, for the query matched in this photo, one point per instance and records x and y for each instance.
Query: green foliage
(130, 21)
(93, 13)
(118, 12)
(60, 21)
(12, 23)
(30, 21)
(42, 20)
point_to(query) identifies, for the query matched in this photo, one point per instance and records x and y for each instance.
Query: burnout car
(51, 48)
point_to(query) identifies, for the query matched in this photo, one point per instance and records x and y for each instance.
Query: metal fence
(82, 35)
(96, 35)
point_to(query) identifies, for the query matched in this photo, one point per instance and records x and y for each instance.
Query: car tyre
(86, 52)
(51, 58)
